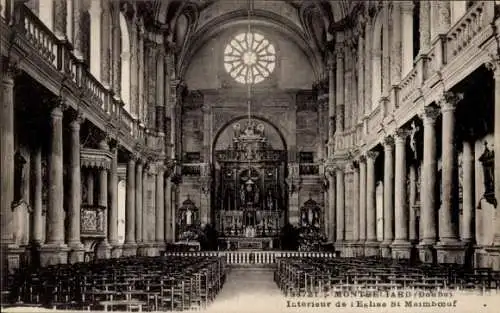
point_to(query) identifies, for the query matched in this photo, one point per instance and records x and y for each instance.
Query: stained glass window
(249, 58)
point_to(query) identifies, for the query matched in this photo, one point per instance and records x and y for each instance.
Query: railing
(255, 257)
(60, 56)
(408, 85)
(308, 169)
(465, 30)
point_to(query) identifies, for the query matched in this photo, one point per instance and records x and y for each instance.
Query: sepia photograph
(250, 156)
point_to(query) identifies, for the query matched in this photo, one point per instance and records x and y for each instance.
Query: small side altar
(247, 243)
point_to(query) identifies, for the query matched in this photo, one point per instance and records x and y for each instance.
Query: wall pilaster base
(385, 249)
(359, 249)
(339, 247)
(450, 252)
(11, 253)
(372, 248)
(76, 253)
(349, 249)
(426, 252)
(103, 250)
(52, 254)
(148, 249)
(129, 249)
(116, 251)
(493, 257)
(401, 249)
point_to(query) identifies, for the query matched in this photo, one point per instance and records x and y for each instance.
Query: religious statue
(270, 200)
(304, 218)
(256, 195)
(189, 217)
(237, 130)
(242, 194)
(413, 140)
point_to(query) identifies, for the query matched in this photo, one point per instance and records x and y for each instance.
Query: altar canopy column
(160, 207)
(75, 188)
(401, 247)
(388, 196)
(362, 205)
(340, 206)
(371, 247)
(413, 232)
(130, 247)
(37, 218)
(104, 249)
(55, 250)
(428, 193)
(449, 248)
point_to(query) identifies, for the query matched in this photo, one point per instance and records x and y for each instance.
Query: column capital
(494, 64)
(77, 118)
(448, 100)
(372, 155)
(388, 142)
(401, 134)
(430, 114)
(330, 170)
(406, 6)
(362, 159)
(10, 68)
(58, 106)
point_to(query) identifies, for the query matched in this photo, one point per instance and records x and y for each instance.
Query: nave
(191, 282)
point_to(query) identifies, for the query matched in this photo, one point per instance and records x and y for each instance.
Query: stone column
(368, 68)
(340, 206)
(428, 193)
(332, 203)
(55, 250)
(331, 105)
(406, 51)
(355, 207)
(361, 75)
(37, 219)
(7, 164)
(104, 249)
(168, 208)
(468, 191)
(494, 65)
(444, 16)
(386, 55)
(113, 203)
(60, 16)
(148, 222)
(362, 205)
(425, 26)
(449, 248)
(75, 188)
(78, 29)
(138, 205)
(339, 116)
(401, 247)
(388, 196)
(96, 33)
(371, 247)
(105, 44)
(160, 207)
(116, 59)
(130, 247)
(413, 232)
(396, 44)
(160, 101)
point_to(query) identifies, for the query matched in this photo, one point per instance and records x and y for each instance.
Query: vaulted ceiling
(188, 24)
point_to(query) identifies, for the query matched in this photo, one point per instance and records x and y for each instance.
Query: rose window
(249, 58)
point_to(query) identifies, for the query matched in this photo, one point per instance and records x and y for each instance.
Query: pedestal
(103, 250)
(426, 252)
(116, 251)
(401, 250)
(129, 250)
(148, 249)
(339, 247)
(372, 248)
(13, 257)
(385, 249)
(450, 252)
(53, 254)
(493, 257)
(76, 253)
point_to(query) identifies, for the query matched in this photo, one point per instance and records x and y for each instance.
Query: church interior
(321, 143)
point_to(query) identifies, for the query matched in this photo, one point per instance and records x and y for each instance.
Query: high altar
(251, 201)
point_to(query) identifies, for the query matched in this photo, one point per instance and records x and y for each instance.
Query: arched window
(125, 62)
(377, 52)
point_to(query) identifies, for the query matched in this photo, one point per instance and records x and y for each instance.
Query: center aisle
(249, 290)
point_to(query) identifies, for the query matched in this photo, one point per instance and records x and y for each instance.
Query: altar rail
(254, 257)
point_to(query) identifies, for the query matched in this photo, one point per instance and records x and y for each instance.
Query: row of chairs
(322, 277)
(172, 283)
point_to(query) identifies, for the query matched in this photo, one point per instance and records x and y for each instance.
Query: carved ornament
(96, 158)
